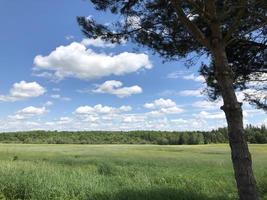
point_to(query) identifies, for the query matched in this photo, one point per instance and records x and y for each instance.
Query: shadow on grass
(124, 194)
(154, 194)
(262, 187)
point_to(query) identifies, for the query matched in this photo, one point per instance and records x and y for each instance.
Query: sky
(53, 78)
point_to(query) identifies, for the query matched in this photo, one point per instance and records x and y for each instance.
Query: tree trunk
(241, 157)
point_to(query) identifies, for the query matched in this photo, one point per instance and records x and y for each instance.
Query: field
(122, 172)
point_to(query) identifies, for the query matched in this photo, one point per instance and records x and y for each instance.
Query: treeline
(253, 134)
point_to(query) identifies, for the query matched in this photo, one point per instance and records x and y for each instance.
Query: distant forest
(254, 135)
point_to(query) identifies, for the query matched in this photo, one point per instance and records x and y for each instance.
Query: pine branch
(190, 26)
(237, 21)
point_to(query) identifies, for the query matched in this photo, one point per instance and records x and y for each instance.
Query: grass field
(122, 172)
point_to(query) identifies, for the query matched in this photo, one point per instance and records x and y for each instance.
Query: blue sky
(53, 78)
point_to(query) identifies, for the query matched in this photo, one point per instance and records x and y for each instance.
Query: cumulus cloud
(76, 60)
(115, 88)
(134, 118)
(23, 90)
(28, 112)
(64, 120)
(100, 109)
(160, 103)
(118, 118)
(179, 121)
(100, 117)
(60, 123)
(32, 111)
(163, 106)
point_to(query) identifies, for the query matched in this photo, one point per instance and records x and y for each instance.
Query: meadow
(122, 172)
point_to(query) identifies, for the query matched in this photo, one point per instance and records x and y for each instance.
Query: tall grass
(122, 172)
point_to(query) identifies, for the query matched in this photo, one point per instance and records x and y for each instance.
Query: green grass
(122, 172)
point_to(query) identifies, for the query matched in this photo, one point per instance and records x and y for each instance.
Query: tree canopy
(248, 62)
(146, 23)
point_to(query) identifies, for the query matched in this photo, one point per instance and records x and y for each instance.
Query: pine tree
(174, 29)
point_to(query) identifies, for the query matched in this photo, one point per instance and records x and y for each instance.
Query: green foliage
(254, 135)
(246, 59)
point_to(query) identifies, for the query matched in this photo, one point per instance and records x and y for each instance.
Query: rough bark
(241, 157)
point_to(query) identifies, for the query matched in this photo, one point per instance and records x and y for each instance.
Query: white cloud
(23, 90)
(125, 108)
(60, 123)
(175, 75)
(55, 96)
(249, 112)
(28, 112)
(194, 78)
(100, 109)
(115, 88)
(179, 120)
(208, 105)
(183, 75)
(48, 103)
(134, 118)
(31, 110)
(64, 120)
(75, 60)
(195, 93)
(58, 96)
(208, 115)
(163, 106)
(160, 103)
(102, 117)
(90, 118)
(256, 93)
(98, 42)
(47, 75)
